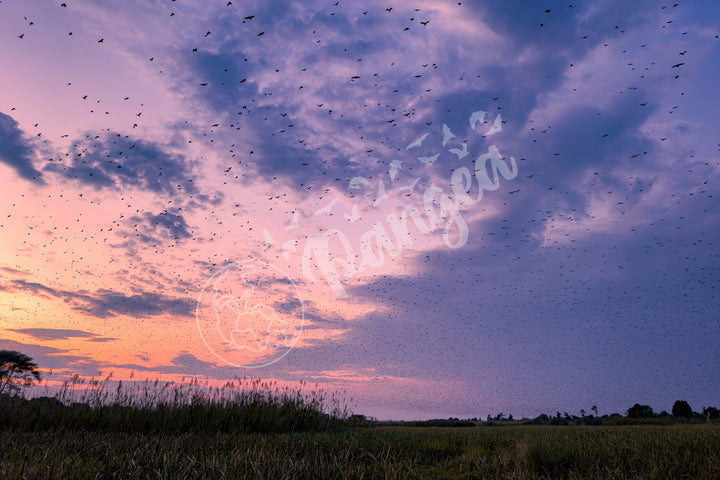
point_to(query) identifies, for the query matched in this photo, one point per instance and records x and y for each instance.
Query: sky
(437, 208)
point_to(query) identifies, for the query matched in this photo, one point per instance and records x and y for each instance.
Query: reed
(242, 405)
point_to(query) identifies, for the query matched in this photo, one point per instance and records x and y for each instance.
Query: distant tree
(711, 413)
(541, 419)
(640, 411)
(594, 408)
(582, 412)
(16, 369)
(681, 409)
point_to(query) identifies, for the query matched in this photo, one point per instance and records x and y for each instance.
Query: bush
(711, 413)
(640, 411)
(681, 409)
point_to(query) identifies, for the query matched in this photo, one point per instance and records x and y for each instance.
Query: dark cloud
(120, 162)
(176, 224)
(224, 79)
(56, 359)
(14, 271)
(57, 334)
(511, 317)
(108, 303)
(561, 30)
(16, 151)
(166, 226)
(300, 124)
(187, 364)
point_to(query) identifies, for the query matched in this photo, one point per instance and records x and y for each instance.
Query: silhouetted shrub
(681, 409)
(640, 411)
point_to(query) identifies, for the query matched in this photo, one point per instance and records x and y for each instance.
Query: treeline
(636, 415)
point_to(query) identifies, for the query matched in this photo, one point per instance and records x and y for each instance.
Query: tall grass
(507, 452)
(92, 429)
(242, 405)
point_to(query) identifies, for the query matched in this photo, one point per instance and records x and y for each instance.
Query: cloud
(222, 78)
(313, 112)
(186, 364)
(120, 162)
(107, 303)
(166, 225)
(190, 363)
(16, 151)
(56, 359)
(58, 334)
(14, 271)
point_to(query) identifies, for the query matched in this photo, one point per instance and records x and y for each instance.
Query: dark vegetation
(152, 407)
(635, 415)
(509, 452)
(155, 407)
(16, 370)
(255, 429)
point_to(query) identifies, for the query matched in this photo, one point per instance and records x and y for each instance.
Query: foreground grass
(621, 452)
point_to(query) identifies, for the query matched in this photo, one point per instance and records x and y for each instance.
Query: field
(512, 451)
(255, 429)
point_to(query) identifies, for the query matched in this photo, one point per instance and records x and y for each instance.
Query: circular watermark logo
(250, 314)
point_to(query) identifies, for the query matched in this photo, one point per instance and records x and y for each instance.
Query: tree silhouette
(640, 411)
(711, 413)
(16, 369)
(681, 409)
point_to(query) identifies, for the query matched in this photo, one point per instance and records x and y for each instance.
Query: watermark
(250, 314)
(413, 207)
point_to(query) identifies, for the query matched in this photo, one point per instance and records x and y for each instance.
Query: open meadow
(257, 429)
(517, 451)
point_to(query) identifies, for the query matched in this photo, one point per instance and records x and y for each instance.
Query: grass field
(520, 451)
(256, 429)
